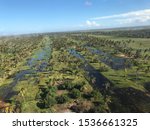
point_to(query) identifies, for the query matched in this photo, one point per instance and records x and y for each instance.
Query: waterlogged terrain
(37, 63)
(62, 73)
(99, 79)
(112, 61)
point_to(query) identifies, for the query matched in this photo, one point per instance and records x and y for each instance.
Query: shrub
(50, 101)
(41, 104)
(97, 97)
(62, 87)
(47, 97)
(70, 86)
(75, 93)
(62, 99)
(66, 86)
(103, 69)
(87, 95)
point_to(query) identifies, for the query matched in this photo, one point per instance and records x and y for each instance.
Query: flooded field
(37, 63)
(62, 73)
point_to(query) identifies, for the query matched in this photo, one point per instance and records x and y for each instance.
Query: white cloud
(91, 24)
(141, 16)
(137, 20)
(88, 3)
(145, 12)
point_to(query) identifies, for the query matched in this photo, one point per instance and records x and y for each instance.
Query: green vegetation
(76, 72)
(62, 99)
(75, 93)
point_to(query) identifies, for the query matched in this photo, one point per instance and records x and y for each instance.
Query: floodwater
(99, 80)
(37, 63)
(114, 62)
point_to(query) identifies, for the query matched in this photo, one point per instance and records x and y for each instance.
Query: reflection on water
(37, 63)
(110, 60)
(99, 80)
(76, 54)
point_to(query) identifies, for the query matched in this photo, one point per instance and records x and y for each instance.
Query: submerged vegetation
(76, 72)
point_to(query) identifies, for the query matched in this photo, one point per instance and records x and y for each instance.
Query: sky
(33, 16)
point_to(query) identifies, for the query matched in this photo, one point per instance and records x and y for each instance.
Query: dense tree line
(144, 33)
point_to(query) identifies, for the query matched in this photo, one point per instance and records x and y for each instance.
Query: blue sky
(28, 16)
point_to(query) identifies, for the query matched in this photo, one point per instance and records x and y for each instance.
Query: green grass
(145, 42)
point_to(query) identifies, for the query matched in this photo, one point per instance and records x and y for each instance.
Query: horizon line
(68, 31)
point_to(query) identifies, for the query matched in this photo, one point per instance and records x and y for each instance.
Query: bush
(66, 86)
(75, 93)
(47, 97)
(95, 94)
(78, 86)
(52, 89)
(70, 86)
(97, 97)
(50, 101)
(62, 99)
(62, 87)
(103, 69)
(41, 104)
